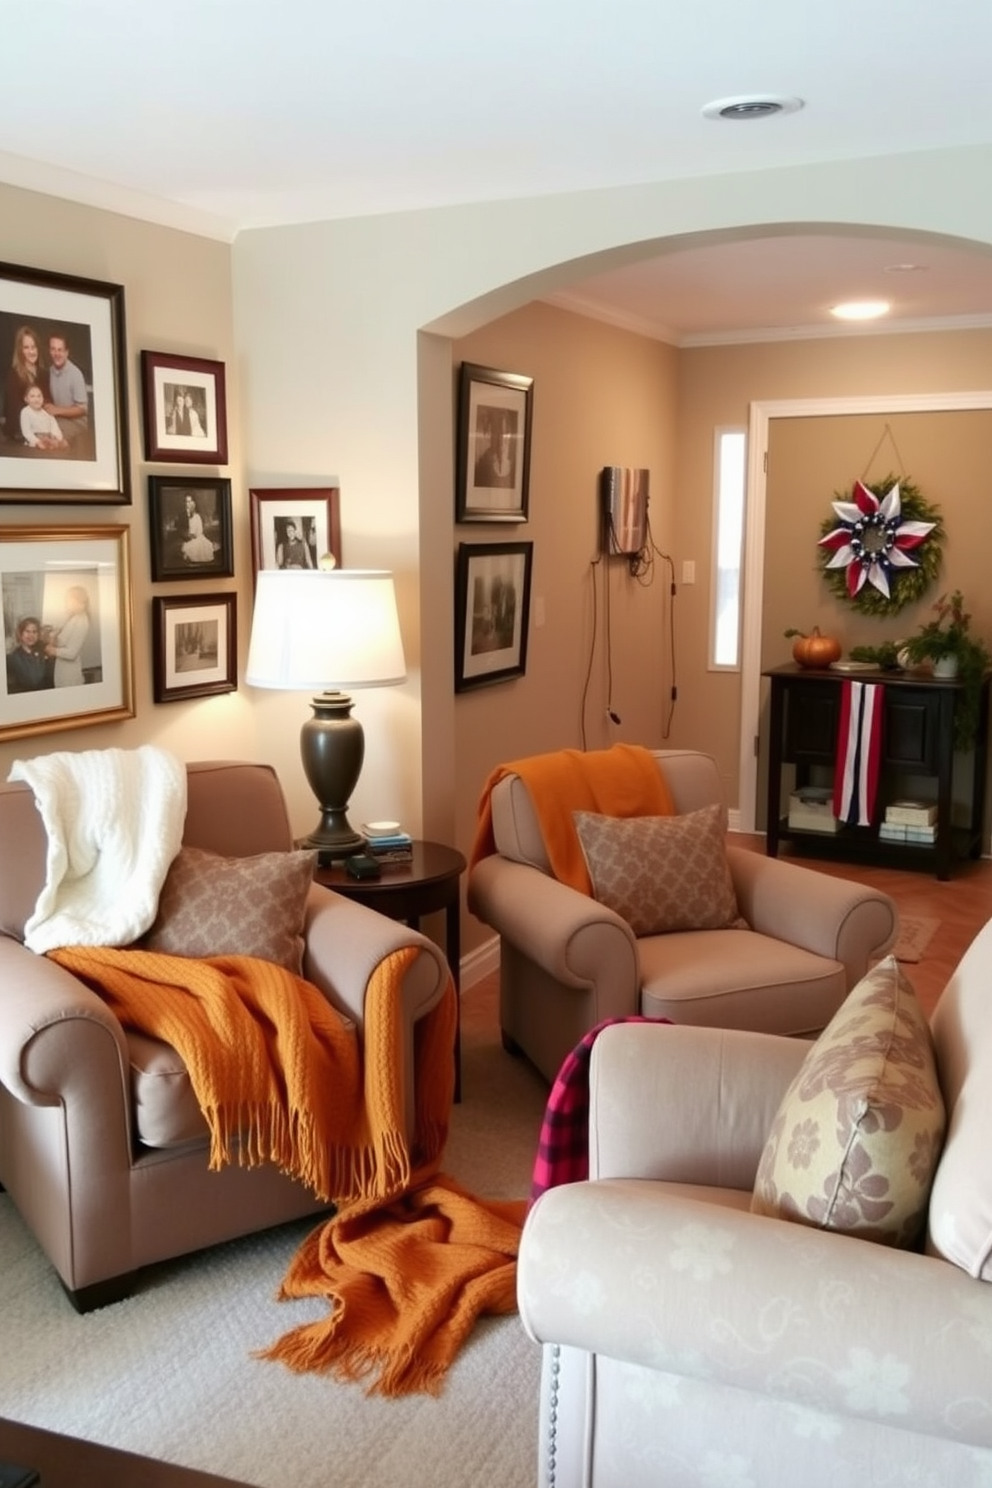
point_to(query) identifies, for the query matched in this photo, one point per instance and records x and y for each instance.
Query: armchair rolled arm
(343, 944)
(43, 1008)
(830, 916)
(684, 1104)
(574, 939)
(653, 1277)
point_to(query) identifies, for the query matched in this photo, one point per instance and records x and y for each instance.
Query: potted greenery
(947, 642)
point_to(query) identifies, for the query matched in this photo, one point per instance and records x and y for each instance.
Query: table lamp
(330, 629)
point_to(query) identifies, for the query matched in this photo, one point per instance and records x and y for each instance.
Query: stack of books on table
(395, 846)
(910, 821)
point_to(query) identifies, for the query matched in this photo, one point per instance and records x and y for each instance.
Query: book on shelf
(902, 832)
(911, 813)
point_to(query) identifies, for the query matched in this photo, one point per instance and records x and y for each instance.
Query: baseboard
(480, 963)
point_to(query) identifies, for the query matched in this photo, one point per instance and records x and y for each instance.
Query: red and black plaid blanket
(563, 1146)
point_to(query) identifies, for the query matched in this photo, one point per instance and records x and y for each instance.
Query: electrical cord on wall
(643, 568)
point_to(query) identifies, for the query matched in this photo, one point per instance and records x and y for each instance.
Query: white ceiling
(217, 115)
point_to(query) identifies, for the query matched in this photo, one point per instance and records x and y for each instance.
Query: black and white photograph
(295, 528)
(492, 611)
(63, 398)
(194, 646)
(190, 527)
(494, 432)
(184, 404)
(66, 628)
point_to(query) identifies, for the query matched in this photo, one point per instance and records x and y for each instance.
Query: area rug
(915, 934)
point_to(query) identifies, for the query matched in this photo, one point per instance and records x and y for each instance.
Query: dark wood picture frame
(180, 536)
(184, 403)
(315, 513)
(75, 584)
(86, 461)
(495, 414)
(492, 612)
(194, 646)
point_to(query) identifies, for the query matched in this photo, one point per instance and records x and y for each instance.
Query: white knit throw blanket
(115, 820)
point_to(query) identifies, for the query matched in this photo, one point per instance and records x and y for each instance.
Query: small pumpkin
(814, 651)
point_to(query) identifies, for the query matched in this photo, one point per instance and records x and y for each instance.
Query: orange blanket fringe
(410, 1259)
(623, 780)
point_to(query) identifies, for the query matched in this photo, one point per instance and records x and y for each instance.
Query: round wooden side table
(407, 892)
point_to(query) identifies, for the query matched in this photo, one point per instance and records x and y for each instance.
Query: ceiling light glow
(860, 309)
(752, 106)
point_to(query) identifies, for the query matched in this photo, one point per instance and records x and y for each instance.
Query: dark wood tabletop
(67, 1462)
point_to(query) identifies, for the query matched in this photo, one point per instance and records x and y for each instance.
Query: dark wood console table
(918, 745)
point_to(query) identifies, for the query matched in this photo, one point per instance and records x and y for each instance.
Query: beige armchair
(567, 962)
(689, 1341)
(101, 1148)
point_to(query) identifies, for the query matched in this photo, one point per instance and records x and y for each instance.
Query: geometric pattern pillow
(215, 906)
(661, 873)
(856, 1140)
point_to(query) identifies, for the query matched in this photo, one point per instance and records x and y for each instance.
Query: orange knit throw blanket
(410, 1260)
(621, 781)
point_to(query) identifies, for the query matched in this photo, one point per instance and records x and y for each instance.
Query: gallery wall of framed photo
(88, 530)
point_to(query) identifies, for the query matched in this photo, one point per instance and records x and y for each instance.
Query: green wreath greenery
(909, 584)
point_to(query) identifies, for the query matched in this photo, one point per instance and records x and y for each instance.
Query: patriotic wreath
(882, 548)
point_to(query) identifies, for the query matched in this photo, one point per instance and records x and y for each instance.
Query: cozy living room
(494, 871)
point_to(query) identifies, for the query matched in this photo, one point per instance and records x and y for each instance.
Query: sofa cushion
(661, 873)
(215, 906)
(855, 1143)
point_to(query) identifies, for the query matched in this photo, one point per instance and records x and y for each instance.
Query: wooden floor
(962, 904)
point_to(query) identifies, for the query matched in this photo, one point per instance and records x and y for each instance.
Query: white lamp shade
(325, 628)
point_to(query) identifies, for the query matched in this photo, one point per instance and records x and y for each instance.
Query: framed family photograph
(185, 409)
(492, 612)
(190, 527)
(194, 646)
(63, 390)
(494, 427)
(295, 528)
(65, 594)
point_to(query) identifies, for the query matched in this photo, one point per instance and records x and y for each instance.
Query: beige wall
(177, 299)
(336, 338)
(601, 397)
(716, 385)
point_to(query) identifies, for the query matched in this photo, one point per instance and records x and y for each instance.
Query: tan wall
(716, 386)
(601, 397)
(178, 299)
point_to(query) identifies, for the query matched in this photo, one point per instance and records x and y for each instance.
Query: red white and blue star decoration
(874, 541)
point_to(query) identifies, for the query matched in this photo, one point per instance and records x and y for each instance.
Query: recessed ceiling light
(752, 106)
(905, 268)
(860, 309)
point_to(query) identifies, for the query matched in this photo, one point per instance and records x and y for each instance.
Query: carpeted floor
(170, 1372)
(915, 934)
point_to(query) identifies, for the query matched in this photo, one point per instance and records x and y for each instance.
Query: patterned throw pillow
(215, 906)
(855, 1144)
(661, 873)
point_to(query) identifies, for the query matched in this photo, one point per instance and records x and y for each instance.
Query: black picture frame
(194, 646)
(179, 537)
(495, 414)
(91, 465)
(184, 405)
(316, 512)
(492, 612)
(88, 678)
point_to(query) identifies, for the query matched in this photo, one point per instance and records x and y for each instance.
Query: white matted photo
(66, 607)
(194, 646)
(185, 408)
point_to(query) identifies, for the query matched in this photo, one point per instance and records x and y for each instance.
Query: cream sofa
(690, 1342)
(102, 1146)
(568, 962)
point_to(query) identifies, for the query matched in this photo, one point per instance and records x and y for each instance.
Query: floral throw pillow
(855, 1143)
(216, 906)
(661, 873)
